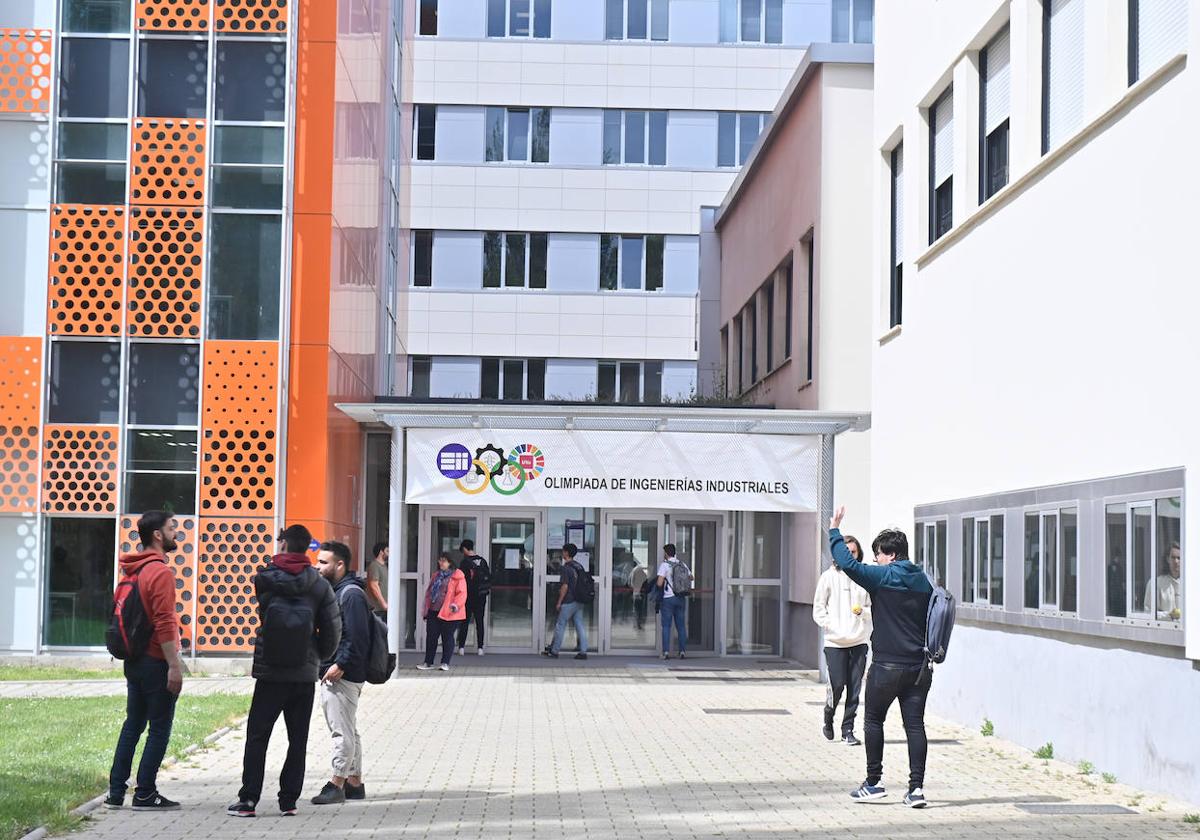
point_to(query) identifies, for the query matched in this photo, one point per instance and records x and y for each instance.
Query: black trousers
(846, 667)
(885, 685)
(436, 629)
(475, 612)
(295, 702)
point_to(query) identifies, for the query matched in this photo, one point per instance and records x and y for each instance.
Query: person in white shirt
(673, 607)
(1169, 586)
(842, 609)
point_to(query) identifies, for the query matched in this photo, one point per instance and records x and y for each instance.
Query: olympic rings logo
(489, 466)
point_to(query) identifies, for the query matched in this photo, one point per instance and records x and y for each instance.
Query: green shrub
(1109, 778)
(1087, 768)
(1045, 751)
(987, 730)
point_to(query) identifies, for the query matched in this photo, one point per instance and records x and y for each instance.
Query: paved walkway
(637, 751)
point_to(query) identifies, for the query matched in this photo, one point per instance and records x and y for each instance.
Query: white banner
(673, 470)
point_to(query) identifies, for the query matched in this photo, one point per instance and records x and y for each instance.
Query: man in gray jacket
(299, 626)
(842, 609)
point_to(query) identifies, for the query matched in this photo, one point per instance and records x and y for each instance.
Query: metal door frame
(721, 520)
(538, 611)
(604, 541)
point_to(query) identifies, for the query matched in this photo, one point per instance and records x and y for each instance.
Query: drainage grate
(945, 742)
(702, 670)
(746, 712)
(1071, 809)
(754, 680)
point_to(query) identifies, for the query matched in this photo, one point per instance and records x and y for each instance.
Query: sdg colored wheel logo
(489, 466)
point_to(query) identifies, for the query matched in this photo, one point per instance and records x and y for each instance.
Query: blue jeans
(570, 612)
(147, 701)
(674, 609)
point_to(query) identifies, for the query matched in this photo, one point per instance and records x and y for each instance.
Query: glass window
(1141, 554)
(495, 18)
(94, 78)
(1033, 559)
(631, 262)
(606, 391)
(635, 137)
(614, 20)
(757, 542)
(247, 187)
(970, 539)
(244, 276)
(164, 384)
(751, 20)
(996, 536)
(489, 379)
(92, 141)
(631, 382)
(540, 143)
(514, 259)
(612, 137)
(161, 471)
(726, 139)
(514, 379)
(655, 244)
(518, 134)
(85, 381)
(652, 384)
(518, 18)
(753, 624)
(535, 379)
(248, 144)
(773, 22)
(1050, 560)
(422, 258)
(1115, 559)
(609, 252)
(538, 250)
(80, 559)
(637, 20)
(864, 21)
(90, 183)
(492, 258)
(263, 61)
(96, 16)
(1166, 591)
(173, 78)
(426, 119)
(749, 125)
(494, 138)
(660, 20)
(658, 138)
(419, 371)
(1158, 30)
(1068, 573)
(541, 18)
(729, 21)
(428, 17)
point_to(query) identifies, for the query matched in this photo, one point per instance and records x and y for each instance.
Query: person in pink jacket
(445, 607)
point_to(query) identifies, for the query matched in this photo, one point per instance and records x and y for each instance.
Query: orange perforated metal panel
(18, 468)
(79, 469)
(168, 162)
(20, 415)
(166, 258)
(87, 260)
(252, 15)
(239, 428)
(25, 70)
(231, 551)
(182, 561)
(173, 15)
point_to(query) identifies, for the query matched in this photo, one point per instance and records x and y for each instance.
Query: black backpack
(288, 625)
(585, 585)
(129, 627)
(380, 663)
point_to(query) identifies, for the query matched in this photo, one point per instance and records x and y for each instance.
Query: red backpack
(129, 627)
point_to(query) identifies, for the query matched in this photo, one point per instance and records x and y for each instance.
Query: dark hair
(151, 521)
(339, 550)
(296, 538)
(445, 555)
(669, 549)
(469, 545)
(569, 550)
(891, 541)
(378, 547)
(849, 539)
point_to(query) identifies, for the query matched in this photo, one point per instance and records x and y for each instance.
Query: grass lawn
(55, 752)
(26, 673)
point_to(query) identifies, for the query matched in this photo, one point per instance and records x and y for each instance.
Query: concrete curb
(92, 804)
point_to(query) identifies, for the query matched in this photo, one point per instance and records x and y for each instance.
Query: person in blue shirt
(900, 593)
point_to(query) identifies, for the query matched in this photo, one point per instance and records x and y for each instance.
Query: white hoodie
(833, 609)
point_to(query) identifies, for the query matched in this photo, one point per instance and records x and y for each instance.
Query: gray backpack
(681, 578)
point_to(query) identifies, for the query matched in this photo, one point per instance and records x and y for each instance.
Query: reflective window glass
(94, 78)
(608, 260)
(92, 141)
(635, 137)
(172, 492)
(541, 18)
(612, 137)
(494, 138)
(538, 248)
(164, 384)
(518, 18)
(631, 382)
(492, 257)
(248, 144)
(247, 187)
(751, 20)
(90, 183)
(514, 379)
(773, 23)
(85, 381)
(535, 379)
(495, 18)
(518, 134)
(658, 138)
(638, 19)
(631, 262)
(652, 385)
(727, 139)
(514, 259)
(172, 78)
(161, 449)
(80, 559)
(540, 143)
(244, 277)
(654, 261)
(251, 81)
(96, 16)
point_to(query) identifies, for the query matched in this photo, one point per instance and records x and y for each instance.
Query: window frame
(926, 526)
(651, 7)
(641, 366)
(1132, 502)
(500, 377)
(976, 518)
(851, 6)
(644, 273)
(896, 251)
(988, 187)
(648, 115)
(737, 116)
(424, 6)
(508, 19)
(530, 141)
(1043, 513)
(419, 234)
(946, 188)
(424, 116)
(527, 273)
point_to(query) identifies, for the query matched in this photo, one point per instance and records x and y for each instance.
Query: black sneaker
(154, 802)
(827, 729)
(114, 802)
(288, 810)
(851, 741)
(550, 653)
(241, 808)
(355, 791)
(581, 656)
(331, 794)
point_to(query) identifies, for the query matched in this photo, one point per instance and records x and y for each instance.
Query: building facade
(201, 224)
(1034, 270)
(793, 327)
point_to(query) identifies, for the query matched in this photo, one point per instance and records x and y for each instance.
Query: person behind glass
(568, 608)
(673, 607)
(842, 609)
(445, 606)
(1169, 587)
(479, 586)
(377, 580)
(154, 679)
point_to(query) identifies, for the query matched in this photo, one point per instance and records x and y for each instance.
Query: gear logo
(489, 460)
(491, 467)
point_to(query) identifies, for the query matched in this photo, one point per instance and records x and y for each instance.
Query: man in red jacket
(153, 681)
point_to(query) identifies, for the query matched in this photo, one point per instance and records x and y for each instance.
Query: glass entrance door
(511, 549)
(696, 544)
(634, 549)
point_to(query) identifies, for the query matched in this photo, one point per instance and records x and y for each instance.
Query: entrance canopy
(610, 456)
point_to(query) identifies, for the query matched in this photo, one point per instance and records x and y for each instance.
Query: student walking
(445, 605)
(479, 585)
(299, 627)
(842, 609)
(675, 581)
(154, 676)
(377, 579)
(570, 606)
(343, 675)
(900, 594)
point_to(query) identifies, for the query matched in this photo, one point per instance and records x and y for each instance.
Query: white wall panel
(462, 18)
(18, 582)
(807, 22)
(460, 134)
(695, 21)
(571, 379)
(577, 20)
(25, 150)
(576, 136)
(23, 238)
(457, 259)
(692, 139)
(681, 264)
(27, 14)
(573, 262)
(679, 380)
(453, 377)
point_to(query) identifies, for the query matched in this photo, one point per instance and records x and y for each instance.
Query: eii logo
(473, 473)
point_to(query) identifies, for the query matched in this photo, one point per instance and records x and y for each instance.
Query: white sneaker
(479, 652)
(461, 651)
(443, 667)
(423, 667)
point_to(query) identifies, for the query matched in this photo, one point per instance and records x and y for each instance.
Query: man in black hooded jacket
(299, 626)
